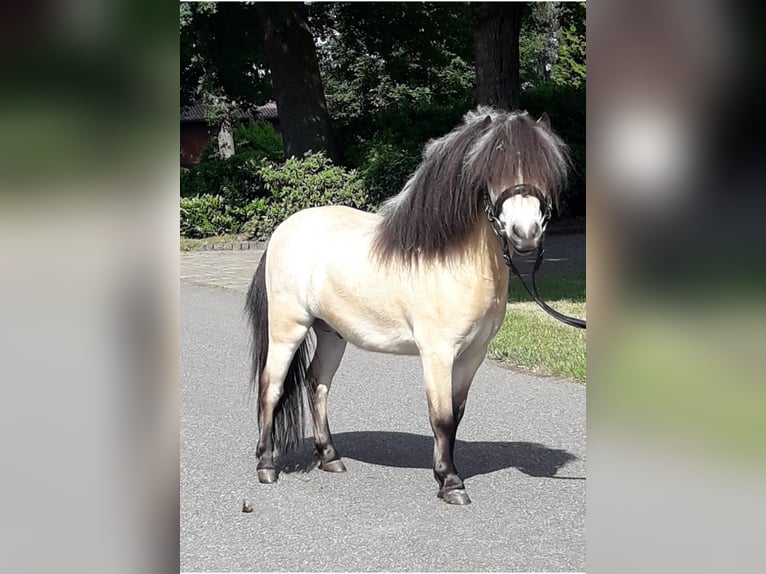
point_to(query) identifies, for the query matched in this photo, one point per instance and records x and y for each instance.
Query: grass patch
(532, 340)
(194, 244)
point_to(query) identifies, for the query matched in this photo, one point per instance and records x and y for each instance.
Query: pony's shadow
(406, 450)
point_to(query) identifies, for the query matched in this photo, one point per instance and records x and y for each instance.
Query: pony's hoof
(459, 497)
(333, 466)
(267, 475)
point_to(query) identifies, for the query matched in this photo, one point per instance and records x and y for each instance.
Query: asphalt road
(521, 451)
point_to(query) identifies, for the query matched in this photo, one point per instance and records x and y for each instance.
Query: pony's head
(490, 152)
(523, 165)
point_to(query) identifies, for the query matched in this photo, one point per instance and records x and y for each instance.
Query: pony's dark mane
(442, 201)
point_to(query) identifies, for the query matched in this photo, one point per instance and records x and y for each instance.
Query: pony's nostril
(515, 231)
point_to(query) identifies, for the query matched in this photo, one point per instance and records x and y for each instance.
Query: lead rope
(497, 229)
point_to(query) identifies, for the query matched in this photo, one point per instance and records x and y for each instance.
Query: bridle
(493, 211)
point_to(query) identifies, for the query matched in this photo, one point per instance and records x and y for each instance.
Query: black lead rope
(493, 220)
(571, 321)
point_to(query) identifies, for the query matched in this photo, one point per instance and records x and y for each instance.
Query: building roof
(266, 112)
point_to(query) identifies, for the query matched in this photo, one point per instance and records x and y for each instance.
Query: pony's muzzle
(525, 242)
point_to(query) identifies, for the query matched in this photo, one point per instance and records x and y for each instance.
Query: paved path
(521, 450)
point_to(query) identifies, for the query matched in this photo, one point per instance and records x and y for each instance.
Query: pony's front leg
(437, 369)
(463, 372)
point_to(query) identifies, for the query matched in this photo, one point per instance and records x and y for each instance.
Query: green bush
(386, 169)
(209, 215)
(290, 187)
(235, 179)
(258, 140)
(299, 184)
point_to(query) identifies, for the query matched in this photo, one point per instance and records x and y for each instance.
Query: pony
(423, 276)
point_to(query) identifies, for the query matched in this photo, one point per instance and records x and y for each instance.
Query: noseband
(524, 190)
(493, 214)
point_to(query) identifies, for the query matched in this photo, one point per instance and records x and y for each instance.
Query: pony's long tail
(289, 421)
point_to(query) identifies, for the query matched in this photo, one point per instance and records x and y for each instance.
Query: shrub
(386, 169)
(299, 184)
(209, 215)
(235, 179)
(258, 140)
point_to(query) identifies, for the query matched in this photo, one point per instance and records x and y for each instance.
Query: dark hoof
(267, 475)
(333, 466)
(458, 497)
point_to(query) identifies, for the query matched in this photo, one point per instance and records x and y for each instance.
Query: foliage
(386, 169)
(268, 193)
(258, 140)
(386, 148)
(538, 48)
(565, 105)
(299, 184)
(375, 55)
(234, 179)
(222, 58)
(552, 44)
(208, 215)
(570, 67)
(395, 75)
(237, 178)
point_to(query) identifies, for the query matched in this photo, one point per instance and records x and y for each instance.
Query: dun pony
(424, 276)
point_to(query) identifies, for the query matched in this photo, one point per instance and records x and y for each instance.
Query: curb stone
(232, 246)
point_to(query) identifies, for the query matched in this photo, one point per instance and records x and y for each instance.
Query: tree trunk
(226, 139)
(292, 58)
(496, 29)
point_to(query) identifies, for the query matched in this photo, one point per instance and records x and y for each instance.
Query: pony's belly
(385, 345)
(374, 336)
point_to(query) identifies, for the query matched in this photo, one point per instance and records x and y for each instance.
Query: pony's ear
(545, 121)
(486, 122)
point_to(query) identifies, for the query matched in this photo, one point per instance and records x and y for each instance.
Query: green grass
(533, 341)
(193, 244)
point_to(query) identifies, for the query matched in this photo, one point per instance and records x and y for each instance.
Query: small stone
(246, 506)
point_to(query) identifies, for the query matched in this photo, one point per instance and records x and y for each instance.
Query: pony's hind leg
(329, 352)
(283, 357)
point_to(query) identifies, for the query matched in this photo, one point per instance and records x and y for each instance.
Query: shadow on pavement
(406, 450)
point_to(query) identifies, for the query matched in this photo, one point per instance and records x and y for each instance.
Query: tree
(291, 55)
(496, 29)
(376, 57)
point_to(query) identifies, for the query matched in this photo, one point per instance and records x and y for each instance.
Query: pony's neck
(485, 251)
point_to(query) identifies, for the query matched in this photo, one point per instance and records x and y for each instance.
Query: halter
(524, 190)
(493, 211)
